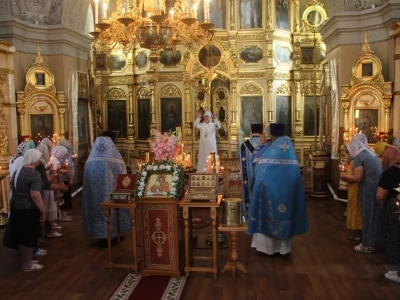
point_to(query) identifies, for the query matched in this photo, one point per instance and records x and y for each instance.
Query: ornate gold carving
(223, 154)
(5, 43)
(223, 66)
(251, 89)
(282, 38)
(119, 80)
(170, 77)
(170, 90)
(284, 89)
(40, 108)
(144, 93)
(249, 37)
(249, 75)
(116, 94)
(197, 67)
(298, 129)
(312, 89)
(3, 125)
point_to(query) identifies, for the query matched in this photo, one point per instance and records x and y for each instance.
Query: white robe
(269, 245)
(207, 143)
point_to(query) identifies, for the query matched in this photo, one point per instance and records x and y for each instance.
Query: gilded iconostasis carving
(257, 75)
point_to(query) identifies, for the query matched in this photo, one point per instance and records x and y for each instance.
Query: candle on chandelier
(96, 11)
(126, 5)
(105, 6)
(206, 10)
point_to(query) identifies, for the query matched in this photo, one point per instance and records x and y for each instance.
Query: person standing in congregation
(246, 152)
(367, 171)
(99, 180)
(208, 142)
(387, 198)
(277, 207)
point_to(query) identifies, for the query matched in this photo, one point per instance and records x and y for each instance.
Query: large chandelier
(150, 24)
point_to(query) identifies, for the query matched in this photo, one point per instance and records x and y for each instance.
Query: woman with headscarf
(67, 177)
(19, 156)
(60, 157)
(397, 143)
(208, 142)
(387, 198)
(48, 191)
(27, 208)
(367, 171)
(99, 180)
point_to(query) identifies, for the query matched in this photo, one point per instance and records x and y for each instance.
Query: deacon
(277, 209)
(246, 151)
(208, 142)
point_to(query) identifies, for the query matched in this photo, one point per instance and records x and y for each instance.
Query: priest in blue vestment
(99, 180)
(277, 208)
(246, 151)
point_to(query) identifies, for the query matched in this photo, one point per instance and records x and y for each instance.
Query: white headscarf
(31, 156)
(45, 153)
(59, 152)
(357, 144)
(47, 142)
(207, 113)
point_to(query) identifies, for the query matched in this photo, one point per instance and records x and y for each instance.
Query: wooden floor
(322, 265)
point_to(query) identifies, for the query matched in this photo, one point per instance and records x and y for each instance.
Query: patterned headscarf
(31, 156)
(357, 144)
(20, 151)
(391, 156)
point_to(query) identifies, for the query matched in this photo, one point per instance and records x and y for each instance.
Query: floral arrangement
(164, 145)
(385, 137)
(161, 166)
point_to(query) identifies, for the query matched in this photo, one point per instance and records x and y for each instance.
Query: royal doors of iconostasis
(41, 109)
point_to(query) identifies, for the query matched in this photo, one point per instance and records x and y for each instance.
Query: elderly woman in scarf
(27, 209)
(208, 142)
(50, 184)
(60, 159)
(19, 156)
(99, 180)
(67, 176)
(388, 190)
(367, 172)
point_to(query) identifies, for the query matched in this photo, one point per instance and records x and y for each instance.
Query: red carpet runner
(136, 287)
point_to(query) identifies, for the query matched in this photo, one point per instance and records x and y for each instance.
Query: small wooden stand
(233, 264)
(115, 262)
(188, 257)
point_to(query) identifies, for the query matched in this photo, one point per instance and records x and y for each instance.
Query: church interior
(327, 69)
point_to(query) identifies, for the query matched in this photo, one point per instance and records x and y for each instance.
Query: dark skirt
(67, 198)
(26, 227)
(391, 227)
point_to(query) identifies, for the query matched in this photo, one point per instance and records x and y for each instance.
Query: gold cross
(366, 36)
(38, 51)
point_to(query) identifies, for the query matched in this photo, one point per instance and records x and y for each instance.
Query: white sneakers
(392, 275)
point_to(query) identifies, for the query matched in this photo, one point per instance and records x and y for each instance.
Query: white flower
(144, 173)
(149, 167)
(140, 188)
(155, 168)
(168, 168)
(140, 194)
(175, 178)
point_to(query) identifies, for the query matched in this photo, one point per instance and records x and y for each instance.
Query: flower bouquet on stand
(164, 176)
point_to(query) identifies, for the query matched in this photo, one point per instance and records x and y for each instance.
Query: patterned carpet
(136, 286)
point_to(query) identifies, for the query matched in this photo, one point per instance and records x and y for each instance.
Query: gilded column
(296, 16)
(131, 125)
(269, 14)
(188, 116)
(297, 100)
(234, 110)
(3, 125)
(232, 22)
(61, 111)
(153, 107)
(345, 106)
(270, 85)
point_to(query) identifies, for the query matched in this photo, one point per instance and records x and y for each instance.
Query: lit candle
(195, 10)
(206, 11)
(105, 6)
(96, 11)
(126, 5)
